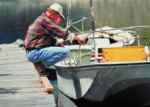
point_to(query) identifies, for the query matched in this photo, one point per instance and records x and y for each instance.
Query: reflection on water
(16, 15)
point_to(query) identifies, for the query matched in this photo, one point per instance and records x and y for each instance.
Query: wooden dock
(19, 83)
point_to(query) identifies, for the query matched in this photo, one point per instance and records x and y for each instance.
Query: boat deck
(19, 83)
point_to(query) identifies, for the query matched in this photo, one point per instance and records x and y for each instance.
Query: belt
(40, 47)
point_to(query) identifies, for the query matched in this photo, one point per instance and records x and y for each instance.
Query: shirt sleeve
(53, 29)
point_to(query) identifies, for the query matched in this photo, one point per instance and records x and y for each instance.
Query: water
(16, 15)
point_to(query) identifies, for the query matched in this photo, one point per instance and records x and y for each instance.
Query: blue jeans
(48, 56)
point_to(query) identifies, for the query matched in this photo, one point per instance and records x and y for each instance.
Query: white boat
(111, 70)
(110, 66)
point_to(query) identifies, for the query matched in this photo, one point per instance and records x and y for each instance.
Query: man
(44, 40)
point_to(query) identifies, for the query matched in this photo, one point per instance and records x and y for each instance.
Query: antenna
(92, 15)
(69, 12)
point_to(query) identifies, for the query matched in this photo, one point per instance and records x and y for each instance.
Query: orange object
(131, 53)
(46, 84)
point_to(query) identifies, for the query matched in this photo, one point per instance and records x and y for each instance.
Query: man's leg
(40, 68)
(46, 57)
(51, 55)
(51, 73)
(42, 71)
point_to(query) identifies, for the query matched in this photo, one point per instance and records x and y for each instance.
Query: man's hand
(59, 41)
(80, 39)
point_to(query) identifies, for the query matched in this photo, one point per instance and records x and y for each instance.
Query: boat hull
(97, 82)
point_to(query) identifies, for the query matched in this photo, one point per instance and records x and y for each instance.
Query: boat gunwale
(102, 64)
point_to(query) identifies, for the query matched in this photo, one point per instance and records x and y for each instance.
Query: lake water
(16, 15)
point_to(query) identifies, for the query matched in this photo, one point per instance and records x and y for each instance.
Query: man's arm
(55, 30)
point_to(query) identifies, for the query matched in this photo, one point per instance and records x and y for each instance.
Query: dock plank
(19, 82)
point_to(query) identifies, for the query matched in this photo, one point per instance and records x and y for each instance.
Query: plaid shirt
(42, 33)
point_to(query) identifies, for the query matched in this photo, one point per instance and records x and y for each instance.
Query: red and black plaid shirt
(42, 33)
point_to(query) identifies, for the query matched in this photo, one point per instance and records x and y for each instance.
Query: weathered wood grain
(19, 82)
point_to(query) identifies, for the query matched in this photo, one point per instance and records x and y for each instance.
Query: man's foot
(48, 87)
